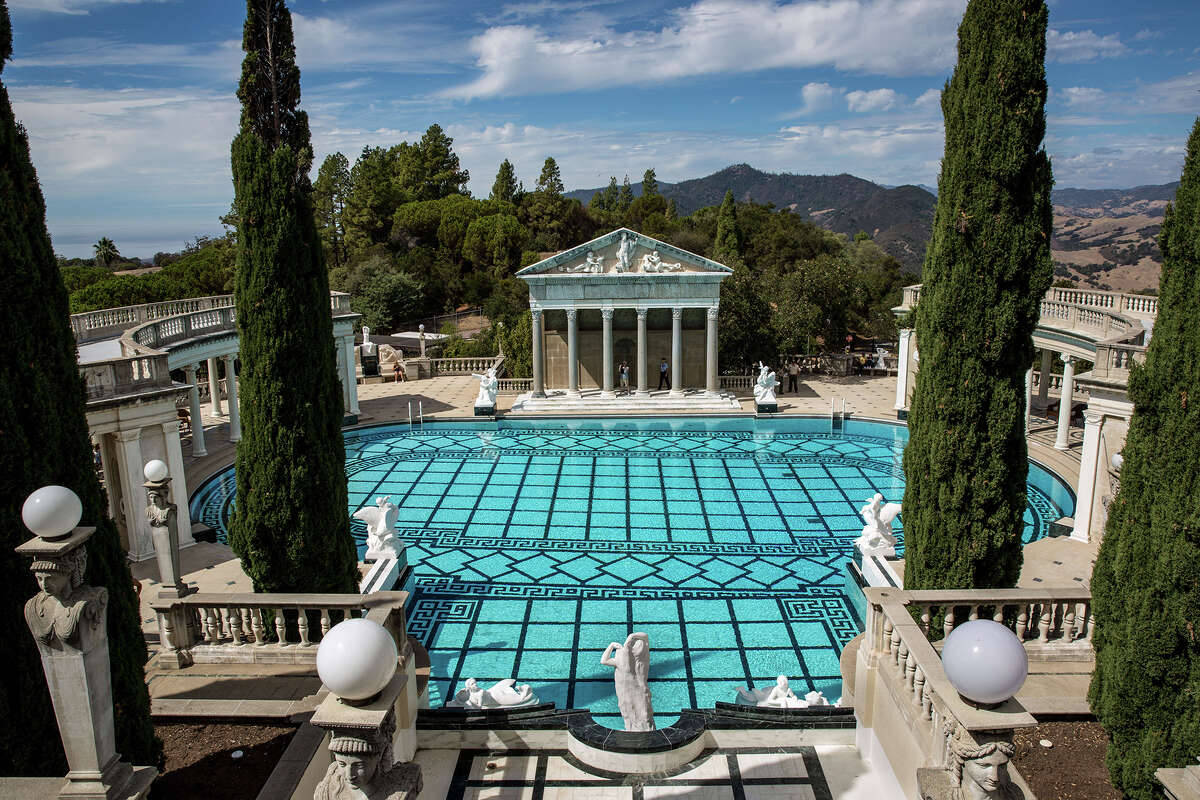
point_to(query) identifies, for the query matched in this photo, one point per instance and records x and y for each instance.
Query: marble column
(711, 384)
(198, 448)
(643, 389)
(129, 459)
(235, 414)
(352, 376)
(214, 387)
(1044, 380)
(339, 354)
(572, 353)
(539, 386)
(1091, 467)
(606, 317)
(903, 356)
(677, 352)
(110, 474)
(1065, 400)
(179, 488)
(1028, 396)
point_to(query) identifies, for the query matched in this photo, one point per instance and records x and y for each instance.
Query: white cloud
(873, 100)
(816, 97)
(930, 99)
(1077, 96)
(1145, 35)
(71, 6)
(894, 37)
(1074, 47)
(220, 57)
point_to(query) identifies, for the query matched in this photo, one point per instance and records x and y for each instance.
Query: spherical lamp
(52, 512)
(1116, 461)
(156, 471)
(985, 661)
(356, 659)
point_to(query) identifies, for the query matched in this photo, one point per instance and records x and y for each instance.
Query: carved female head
(980, 768)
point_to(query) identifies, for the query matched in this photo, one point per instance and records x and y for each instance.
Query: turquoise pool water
(536, 543)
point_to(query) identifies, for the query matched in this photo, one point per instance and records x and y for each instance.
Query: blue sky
(130, 104)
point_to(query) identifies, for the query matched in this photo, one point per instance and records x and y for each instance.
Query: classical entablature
(624, 269)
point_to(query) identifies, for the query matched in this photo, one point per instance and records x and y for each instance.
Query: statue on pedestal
(764, 387)
(632, 678)
(877, 532)
(488, 385)
(380, 520)
(363, 768)
(368, 347)
(56, 613)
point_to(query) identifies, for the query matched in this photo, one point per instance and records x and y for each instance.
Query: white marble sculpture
(368, 347)
(363, 768)
(652, 262)
(877, 531)
(979, 767)
(381, 535)
(502, 694)
(779, 695)
(631, 662)
(764, 387)
(594, 263)
(625, 254)
(488, 384)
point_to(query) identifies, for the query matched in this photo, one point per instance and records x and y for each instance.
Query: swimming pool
(535, 543)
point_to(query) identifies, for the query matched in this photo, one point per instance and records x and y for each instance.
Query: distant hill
(898, 219)
(1102, 237)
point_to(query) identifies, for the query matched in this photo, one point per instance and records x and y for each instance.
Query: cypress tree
(986, 269)
(290, 528)
(727, 249)
(44, 440)
(1146, 598)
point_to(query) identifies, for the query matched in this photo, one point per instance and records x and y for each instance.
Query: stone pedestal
(767, 408)
(485, 411)
(68, 621)
(164, 531)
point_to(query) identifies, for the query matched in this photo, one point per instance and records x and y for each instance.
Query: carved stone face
(359, 770)
(154, 497)
(55, 584)
(989, 774)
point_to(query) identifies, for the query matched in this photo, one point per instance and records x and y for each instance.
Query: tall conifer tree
(504, 188)
(1146, 597)
(291, 527)
(986, 269)
(44, 440)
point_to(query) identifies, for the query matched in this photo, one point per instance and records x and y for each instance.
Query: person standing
(663, 377)
(793, 370)
(624, 372)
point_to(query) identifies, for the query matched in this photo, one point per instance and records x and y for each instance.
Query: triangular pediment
(623, 252)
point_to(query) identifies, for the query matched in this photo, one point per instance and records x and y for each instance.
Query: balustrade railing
(1114, 359)
(514, 385)
(737, 381)
(1060, 618)
(465, 366)
(125, 376)
(215, 628)
(108, 321)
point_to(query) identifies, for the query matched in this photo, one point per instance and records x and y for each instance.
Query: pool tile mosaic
(533, 548)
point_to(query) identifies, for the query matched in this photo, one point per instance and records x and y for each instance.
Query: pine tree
(329, 206)
(504, 190)
(649, 184)
(1145, 595)
(290, 528)
(44, 440)
(986, 269)
(437, 169)
(550, 181)
(625, 198)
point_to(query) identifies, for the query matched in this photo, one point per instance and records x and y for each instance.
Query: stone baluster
(974, 613)
(885, 646)
(1047, 618)
(894, 649)
(998, 614)
(324, 622)
(256, 623)
(1068, 622)
(901, 654)
(948, 623)
(302, 625)
(1022, 621)
(910, 670)
(213, 626)
(280, 628)
(925, 618)
(234, 617)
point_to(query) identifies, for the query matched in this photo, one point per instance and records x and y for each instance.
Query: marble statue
(877, 532)
(381, 535)
(815, 699)
(764, 387)
(652, 262)
(979, 768)
(631, 662)
(421, 337)
(594, 263)
(363, 768)
(625, 254)
(488, 384)
(368, 347)
(502, 694)
(56, 613)
(778, 696)
(163, 518)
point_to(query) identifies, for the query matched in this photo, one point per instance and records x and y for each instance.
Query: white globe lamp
(156, 471)
(356, 660)
(1116, 461)
(985, 661)
(52, 512)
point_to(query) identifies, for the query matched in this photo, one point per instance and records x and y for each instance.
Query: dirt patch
(1072, 769)
(200, 763)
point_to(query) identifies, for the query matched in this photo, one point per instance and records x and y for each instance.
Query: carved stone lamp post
(68, 621)
(164, 529)
(357, 662)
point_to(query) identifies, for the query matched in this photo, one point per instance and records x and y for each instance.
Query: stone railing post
(67, 619)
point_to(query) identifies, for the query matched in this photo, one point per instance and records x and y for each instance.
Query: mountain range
(1102, 237)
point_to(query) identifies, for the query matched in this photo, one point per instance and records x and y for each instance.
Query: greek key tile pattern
(535, 547)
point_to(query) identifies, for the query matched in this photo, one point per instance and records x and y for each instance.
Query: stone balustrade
(465, 366)
(124, 376)
(735, 382)
(215, 628)
(106, 322)
(1057, 622)
(1113, 360)
(514, 385)
(1137, 305)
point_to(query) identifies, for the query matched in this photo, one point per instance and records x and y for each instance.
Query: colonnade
(711, 383)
